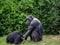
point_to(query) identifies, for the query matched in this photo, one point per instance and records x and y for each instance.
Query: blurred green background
(13, 14)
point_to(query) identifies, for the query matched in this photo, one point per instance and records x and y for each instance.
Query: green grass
(47, 40)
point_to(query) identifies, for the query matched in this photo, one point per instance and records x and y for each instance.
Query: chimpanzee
(14, 38)
(35, 29)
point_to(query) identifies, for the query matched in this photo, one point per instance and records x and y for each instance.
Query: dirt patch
(55, 37)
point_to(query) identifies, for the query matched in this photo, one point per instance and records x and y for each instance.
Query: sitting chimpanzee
(34, 29)
(14, 38)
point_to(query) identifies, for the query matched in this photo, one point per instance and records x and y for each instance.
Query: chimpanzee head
(29, 19)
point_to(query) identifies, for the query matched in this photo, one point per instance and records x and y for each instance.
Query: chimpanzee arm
(30, 30)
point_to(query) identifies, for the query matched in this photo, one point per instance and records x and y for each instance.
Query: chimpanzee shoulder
(35, 22)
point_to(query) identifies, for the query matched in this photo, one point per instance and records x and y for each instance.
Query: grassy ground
(47, 40)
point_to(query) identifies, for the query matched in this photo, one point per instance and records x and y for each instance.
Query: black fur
(14, 37)
(34, 29)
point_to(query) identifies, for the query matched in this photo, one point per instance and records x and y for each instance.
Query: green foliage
(13, 14)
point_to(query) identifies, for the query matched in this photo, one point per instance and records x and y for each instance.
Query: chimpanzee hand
(23, 39)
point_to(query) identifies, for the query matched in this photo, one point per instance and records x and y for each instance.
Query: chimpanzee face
(29, 19)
